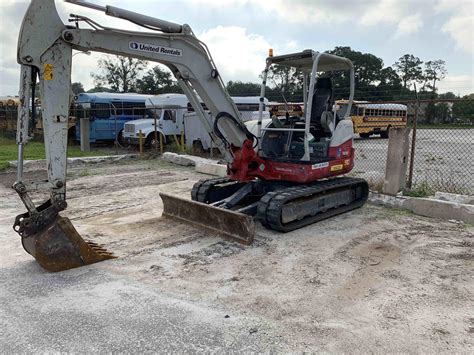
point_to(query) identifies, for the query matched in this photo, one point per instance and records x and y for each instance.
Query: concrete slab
(183, 159)
(211, 169)
(445, 196)
(426, 206)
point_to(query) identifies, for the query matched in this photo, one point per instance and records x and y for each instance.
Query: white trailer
(195, 133)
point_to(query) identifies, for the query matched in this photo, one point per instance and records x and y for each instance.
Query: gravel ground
(373, 280)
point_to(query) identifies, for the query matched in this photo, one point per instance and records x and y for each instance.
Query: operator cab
(309, 138)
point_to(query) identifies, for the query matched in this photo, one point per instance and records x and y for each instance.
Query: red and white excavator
(283, 172)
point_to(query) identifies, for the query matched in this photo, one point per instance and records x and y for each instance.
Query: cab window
(169, 115)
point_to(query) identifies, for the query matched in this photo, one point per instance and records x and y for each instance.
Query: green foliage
(158, 81)
(447, 95)
(367, 66)
(99, 88)
(287, 81)
(77, 88)
(421, 190)
(119, 73)
(463, 111)
(372, 80)
(33, 150)
(435, 70)
(438, 113)
(409, 68)
(239, 88)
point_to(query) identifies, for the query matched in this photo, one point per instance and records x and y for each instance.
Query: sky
(240, 32)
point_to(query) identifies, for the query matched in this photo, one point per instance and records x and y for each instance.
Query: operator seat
(323, 101)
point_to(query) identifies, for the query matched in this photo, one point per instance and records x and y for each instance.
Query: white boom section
(46, 43)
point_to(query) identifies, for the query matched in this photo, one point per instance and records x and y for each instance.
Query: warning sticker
(336, 167)
(48, 71)
(320, 165)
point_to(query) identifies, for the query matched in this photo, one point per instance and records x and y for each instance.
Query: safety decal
(48, 71)
(336, 167)
(320, 165)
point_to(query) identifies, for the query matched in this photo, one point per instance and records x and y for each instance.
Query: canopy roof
(304, 61)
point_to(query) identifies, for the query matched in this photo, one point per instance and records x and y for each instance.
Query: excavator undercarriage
(278, 206)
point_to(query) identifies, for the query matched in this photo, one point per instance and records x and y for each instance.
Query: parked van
(175, 115)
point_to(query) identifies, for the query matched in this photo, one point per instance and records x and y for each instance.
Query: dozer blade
(230, 224)
(60, 247)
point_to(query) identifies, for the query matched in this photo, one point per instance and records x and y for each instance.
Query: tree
(99, 88)
(435, 70)
(77, 88)
(239, 88)
(448, 95)
(288, 81)
(409, 68)
(158, 81)
(389, 77)
(463, 110)
(367, 73)
(437, 113)
(120, 73)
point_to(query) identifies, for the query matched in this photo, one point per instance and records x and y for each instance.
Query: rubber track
(270, 207)
(202, 187)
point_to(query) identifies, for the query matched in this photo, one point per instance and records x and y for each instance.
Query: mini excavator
(284, 172)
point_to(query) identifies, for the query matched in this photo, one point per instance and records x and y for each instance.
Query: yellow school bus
(280, 109)
(8, 113)
(372, 118)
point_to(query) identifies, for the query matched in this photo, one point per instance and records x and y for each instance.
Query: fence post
(183, 148)
(413, 142)
(156, 132)
(140, 142)
(161, 143)
(397, 159)
(84, 132)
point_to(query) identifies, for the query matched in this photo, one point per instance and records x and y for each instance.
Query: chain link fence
(442, 140)
(8, 115)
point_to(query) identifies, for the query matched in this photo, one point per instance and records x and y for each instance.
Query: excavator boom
(45, 47)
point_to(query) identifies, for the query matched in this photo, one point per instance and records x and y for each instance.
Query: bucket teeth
(60, 247)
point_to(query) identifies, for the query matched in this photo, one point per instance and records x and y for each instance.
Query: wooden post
(183, 148)
(156, 132)
(161, 143)
(140, 142)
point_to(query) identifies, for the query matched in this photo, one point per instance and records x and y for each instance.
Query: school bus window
(101, 110)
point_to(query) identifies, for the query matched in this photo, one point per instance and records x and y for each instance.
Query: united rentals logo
(146, 47)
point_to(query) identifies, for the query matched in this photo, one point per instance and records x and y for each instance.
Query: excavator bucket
(60, 247)
(230, 224)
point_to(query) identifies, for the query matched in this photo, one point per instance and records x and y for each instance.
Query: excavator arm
(45, 48)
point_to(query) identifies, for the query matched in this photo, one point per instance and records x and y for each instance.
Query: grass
(34, 150)
(421, 190)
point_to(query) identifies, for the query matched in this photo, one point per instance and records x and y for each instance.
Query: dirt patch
(374, 280)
